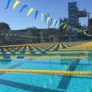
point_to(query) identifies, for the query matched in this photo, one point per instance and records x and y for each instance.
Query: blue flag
(51, 21)
(24, 6)
(8, 3)
(36, 14)
(46, 18)
(56, 23)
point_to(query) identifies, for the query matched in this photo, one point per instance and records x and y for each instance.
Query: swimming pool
(43, 58)
(45, 83)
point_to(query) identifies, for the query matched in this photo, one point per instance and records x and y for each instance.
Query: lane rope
(50, 72)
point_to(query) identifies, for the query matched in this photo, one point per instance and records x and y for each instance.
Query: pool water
(17, 82)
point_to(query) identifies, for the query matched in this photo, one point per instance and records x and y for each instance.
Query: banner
(64, 26)
(30, 11)
(58, 23)
(8, 3)
(24, 6)
(17, 2)
(48, 19)
(51, 21)
(36, 14)
(42, 16)
(67, 28)
(55, 23)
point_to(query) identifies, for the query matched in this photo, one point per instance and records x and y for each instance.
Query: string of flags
(43, 17)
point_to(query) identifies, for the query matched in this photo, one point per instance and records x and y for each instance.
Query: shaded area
(26, 86)
(66, 79)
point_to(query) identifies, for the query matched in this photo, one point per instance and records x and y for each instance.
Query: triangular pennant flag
(17, 2)
(51, 21)
(70, 28)
(48, 19)
(30, 11)
(8, 3)
(36, 14)
(24, 6)
(67, 28)
(56, 23)
(64, 26)
(42, 16)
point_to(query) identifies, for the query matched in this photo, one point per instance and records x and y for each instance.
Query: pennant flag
(30, 11)
(61, 24)
(24, 6)
(36, 14)
(51, 21)
(56, 23)
(70, 28)
(64, 26)
(48, 19)
(8, 3)
(67, 28)
(17, 2)
(73, 29)
(42, 16)
(81, 30)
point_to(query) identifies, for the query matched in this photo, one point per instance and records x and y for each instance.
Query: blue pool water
(17, 82)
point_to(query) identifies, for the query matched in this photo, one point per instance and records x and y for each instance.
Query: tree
(4, 26)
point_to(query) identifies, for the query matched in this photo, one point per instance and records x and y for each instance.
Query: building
(72, 14)
(30, 35)
(73, 19)
(90, 26)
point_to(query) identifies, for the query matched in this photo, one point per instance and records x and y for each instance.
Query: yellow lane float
(50, 72)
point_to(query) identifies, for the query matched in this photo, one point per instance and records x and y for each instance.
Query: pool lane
(47, 81)
(12, 86)
(81, 84)
(63, 84)
(42, 82)
(80, 65)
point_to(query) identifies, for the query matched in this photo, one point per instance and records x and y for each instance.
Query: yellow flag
(17, 2)
(42, 15)
(30, 11)
(54, 21)
(48, 19)
(65, 26)
(58, 23)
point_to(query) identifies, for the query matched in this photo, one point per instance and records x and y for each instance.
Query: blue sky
(55, 8)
